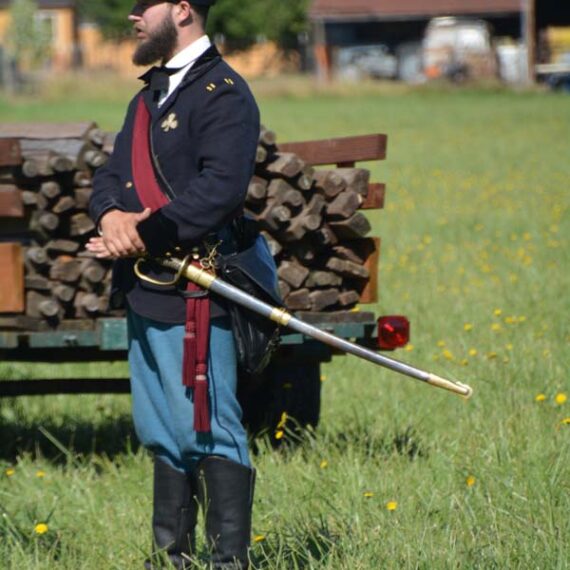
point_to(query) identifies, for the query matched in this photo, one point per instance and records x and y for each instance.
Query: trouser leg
(174, 516)
(226, 496)
(163, 409)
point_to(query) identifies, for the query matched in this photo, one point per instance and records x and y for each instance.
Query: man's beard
(158, 45)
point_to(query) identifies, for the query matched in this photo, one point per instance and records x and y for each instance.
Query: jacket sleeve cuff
(158, 233)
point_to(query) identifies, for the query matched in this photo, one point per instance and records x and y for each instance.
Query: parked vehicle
(459, 49)
(368, 61)
(553, 66)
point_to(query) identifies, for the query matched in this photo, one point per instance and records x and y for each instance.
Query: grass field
(398, 475)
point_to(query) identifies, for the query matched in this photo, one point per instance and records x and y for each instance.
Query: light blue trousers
(163, 409)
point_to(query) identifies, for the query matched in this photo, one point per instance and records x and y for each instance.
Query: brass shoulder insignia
(211, 86)
(170, 123)
(229, 80)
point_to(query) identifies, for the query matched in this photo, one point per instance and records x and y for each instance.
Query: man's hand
(119, 235)
(97, 246)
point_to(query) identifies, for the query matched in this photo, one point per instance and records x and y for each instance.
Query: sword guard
(174, 281)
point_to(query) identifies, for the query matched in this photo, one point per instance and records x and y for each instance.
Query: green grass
(475, 252)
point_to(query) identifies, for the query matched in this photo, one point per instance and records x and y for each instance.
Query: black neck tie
(158, 77)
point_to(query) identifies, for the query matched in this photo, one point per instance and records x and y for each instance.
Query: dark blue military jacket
(204, 139)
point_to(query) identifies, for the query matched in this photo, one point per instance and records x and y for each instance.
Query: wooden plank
(12, 282)
(369, 249)
(344, 150)
(321, 318)
(10, 153)
(12, 388)
(375, 197)
(46, 131)
(11, 203)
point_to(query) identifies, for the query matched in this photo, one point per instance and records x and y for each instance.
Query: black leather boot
(226, 495)
(175, 510)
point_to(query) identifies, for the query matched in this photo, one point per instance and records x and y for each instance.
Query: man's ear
(184, 13)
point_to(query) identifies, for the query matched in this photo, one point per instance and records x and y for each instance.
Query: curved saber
(207, 280)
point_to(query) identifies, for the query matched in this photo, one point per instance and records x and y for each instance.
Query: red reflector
(393, 332)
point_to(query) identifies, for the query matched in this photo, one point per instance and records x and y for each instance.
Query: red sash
(196, 336)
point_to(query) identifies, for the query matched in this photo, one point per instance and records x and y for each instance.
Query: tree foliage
(29, 37)
(240, 23)
(110, 15)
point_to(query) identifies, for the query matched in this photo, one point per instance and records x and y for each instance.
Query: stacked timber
(312, 220)
(44, 193)
(314, 225)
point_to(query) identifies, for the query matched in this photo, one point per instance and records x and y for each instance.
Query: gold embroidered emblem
(170, 123)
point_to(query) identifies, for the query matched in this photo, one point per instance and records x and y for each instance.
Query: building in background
(59, 20)
(398, 25)
(366, 31)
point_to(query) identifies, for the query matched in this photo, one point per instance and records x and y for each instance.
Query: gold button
(129, 185)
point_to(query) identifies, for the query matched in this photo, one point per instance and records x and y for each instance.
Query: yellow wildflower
(392, 505)
(10, 471)
(539, 398)
(470, 481)
(324, 464)
(279, 434)
(441, 343)
(368, 494)
(282, 421)
(565, 421)
(409, 348)
(496, 327)
(259, 538)
(560, 398)
(509, 346)
(41, 528)
(468, 327)
(464, 362)
(40, 474)
(522, 319)
(323, 378)
(473, 352)
(491, 355)
(448, 354)
(498, 312)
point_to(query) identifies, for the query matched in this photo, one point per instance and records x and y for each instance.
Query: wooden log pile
(312, 220)
(44, 193)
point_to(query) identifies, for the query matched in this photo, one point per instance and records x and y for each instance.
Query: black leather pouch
(252, 269)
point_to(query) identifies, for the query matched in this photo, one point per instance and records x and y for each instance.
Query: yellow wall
(63, 43)
(64, 39)
(99, 53)
(4, 23)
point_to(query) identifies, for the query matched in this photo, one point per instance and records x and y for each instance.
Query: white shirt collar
(184, 60)
(190, 53)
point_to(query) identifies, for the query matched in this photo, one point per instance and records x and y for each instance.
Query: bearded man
(176, 181)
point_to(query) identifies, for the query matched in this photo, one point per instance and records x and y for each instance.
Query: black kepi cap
(141, 5)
